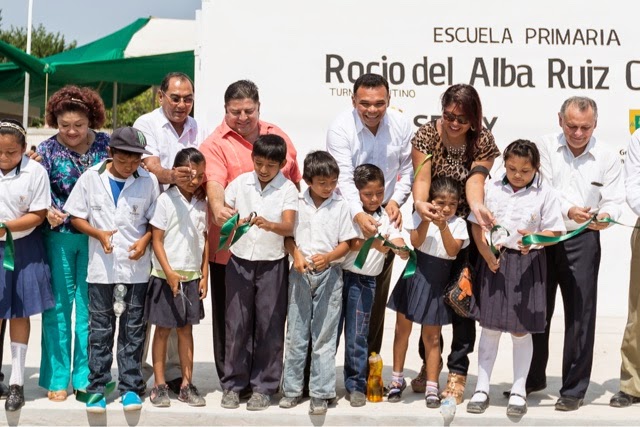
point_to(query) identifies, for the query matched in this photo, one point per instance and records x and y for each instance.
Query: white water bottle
(448, 409)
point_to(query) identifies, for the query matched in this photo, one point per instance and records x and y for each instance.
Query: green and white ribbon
(229, 226)
(9, 249)
(533, 239)
(409, 270)
(83, 396)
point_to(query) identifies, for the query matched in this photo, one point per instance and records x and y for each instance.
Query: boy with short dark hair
(112, 203)
(321, 240)
(256, 276)
(360, 283)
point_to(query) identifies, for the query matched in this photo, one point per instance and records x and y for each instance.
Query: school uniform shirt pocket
(23, 203)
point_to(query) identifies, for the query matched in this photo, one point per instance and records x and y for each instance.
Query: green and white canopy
(128, 61)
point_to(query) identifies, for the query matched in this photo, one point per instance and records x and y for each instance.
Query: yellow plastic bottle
(374, 382)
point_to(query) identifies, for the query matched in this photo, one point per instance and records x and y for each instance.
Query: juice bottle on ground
(374, 382)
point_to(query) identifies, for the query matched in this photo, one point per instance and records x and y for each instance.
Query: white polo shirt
(375, 259)
(246, 195)
(535, 208)
(433, 244)
(593, 179)
(184, 224)
(92, 199)
(24, 189)
(320, 230)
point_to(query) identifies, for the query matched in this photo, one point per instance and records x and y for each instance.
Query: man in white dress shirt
(169, 129)
(372, 133)
(629, 372)
(588, 176)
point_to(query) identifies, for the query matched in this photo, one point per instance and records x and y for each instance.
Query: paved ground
(411, 411)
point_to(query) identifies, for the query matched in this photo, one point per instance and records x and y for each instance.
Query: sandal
(432, 400)
(395, 391)
(455, 387)
(478, 407)
(57, 395)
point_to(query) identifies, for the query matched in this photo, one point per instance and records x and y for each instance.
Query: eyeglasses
(450, 117)
(175, 99)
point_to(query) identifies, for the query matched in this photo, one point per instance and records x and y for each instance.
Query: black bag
(459, 293)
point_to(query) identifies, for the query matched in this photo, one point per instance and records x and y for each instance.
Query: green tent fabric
(99, 65)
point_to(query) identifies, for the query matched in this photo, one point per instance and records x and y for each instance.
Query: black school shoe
(15, 400)
(568, 403)
(623, 400)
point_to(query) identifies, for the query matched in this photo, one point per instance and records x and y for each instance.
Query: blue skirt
(514, 299)
(26, 290)
(421, 297)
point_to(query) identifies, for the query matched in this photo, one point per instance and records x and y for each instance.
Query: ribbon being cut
(227, 229)
(409, 270)
(538, 239)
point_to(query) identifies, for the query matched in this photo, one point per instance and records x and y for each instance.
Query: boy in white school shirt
(256, 277)
(322, 234)
(360, 283)
(112, 203)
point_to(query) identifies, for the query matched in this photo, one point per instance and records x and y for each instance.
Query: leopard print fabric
(427, 140)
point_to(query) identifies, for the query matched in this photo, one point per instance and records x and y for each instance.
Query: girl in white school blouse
(25, 280)
(511, 276)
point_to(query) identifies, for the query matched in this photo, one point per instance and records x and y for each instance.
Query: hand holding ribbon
(410, 269)
(9, 250)
(231, 228)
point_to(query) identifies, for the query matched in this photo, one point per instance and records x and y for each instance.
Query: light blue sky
(87, 20)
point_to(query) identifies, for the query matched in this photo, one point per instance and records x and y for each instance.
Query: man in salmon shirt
(228, 154)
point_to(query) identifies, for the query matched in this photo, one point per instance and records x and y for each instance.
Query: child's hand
(105, 237)
(3, 231)
(137, 250)
(320, 261)
(173, 280)
(300, 264)
(55, 217)
(263, 224)
(379, 245)
(203, 288)
(524, 249)
(492, 261)
(402, 253)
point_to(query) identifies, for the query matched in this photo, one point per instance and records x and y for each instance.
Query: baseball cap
(129, 139)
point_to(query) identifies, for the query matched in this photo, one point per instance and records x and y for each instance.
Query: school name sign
(524, 58)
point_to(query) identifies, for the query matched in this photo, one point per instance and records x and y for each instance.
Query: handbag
(459, 293)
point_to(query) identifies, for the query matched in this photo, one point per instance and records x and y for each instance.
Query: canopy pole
(27, 76)
(46, 92)
(114, 105)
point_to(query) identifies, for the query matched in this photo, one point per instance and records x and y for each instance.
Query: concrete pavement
(411, 411)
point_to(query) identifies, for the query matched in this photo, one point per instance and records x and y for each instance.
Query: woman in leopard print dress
(462, 149)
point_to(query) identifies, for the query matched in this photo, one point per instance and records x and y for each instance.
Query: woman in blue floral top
(66, 155)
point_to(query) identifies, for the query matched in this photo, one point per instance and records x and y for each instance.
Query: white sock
(522, 354)
(487, 353)
(18, 356)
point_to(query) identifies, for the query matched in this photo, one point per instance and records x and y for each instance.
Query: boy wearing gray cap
(112, 203)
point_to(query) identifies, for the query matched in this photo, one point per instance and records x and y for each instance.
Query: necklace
(454, 155)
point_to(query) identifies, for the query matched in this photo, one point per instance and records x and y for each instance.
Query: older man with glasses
(169, 128)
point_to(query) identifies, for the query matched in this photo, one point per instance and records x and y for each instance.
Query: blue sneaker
(131, 401)
(99, 407)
